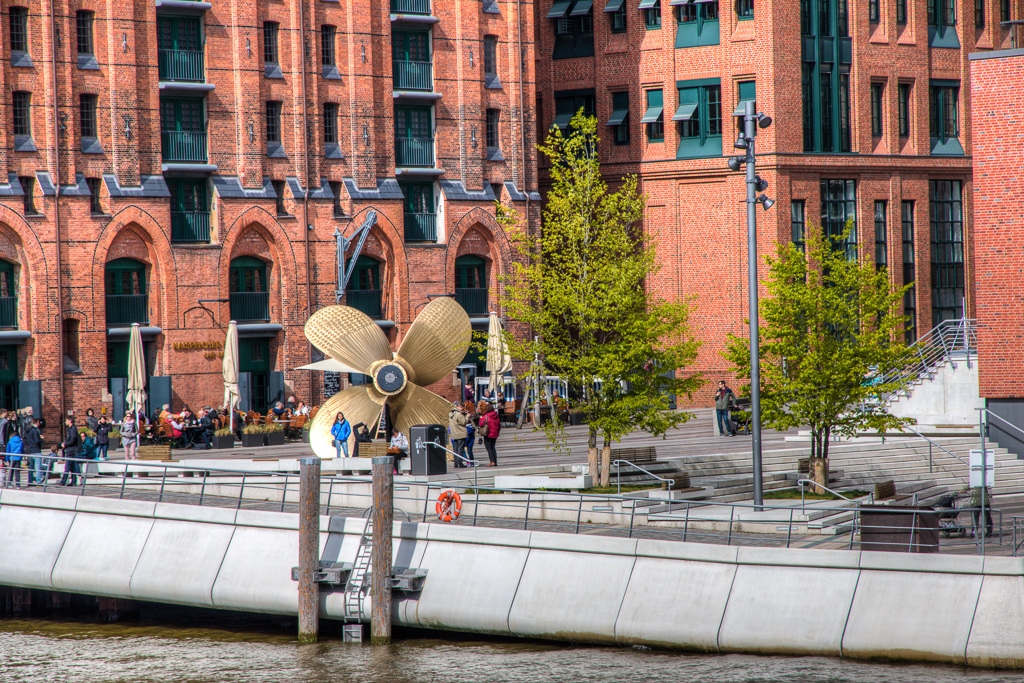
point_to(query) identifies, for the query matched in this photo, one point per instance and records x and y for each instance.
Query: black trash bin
(425, 459)
(899, 528)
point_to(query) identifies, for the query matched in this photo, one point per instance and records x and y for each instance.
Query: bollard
(309, 549)
(380, 553)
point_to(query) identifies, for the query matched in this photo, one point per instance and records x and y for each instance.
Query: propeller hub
(389, 379)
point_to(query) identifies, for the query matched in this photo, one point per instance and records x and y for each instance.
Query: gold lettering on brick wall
(199, 346)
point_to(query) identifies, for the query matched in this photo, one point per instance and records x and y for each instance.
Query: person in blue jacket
(15, 448)
(341, 430)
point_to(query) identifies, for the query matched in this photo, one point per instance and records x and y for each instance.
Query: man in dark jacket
(724, 401)
(71, 445)
(33, 444)
(207, 427)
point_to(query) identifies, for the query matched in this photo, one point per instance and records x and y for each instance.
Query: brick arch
(478, 233)
(144, 239)
(254, 229)
(386, 243)
(20, 245)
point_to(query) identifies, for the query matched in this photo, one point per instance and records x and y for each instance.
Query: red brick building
(180, 163)
(998, 135)
(869, 102)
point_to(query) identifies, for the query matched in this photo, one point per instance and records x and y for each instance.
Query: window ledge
(494, 154)
(275, 150)
(21, 59)
(330, 72)
(91, 146)
(272, 71)
(24, 143)
(492, 81)
(34, 215)
(332, 150)
(88, 62)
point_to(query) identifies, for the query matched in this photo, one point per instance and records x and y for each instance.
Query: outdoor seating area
(250, 429)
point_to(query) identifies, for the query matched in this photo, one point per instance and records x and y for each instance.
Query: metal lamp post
(755, 184)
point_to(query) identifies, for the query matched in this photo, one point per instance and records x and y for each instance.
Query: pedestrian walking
(33, 444)
(457, 433)
(103, 428)
(341, 430)
(129, 433)
(15, 450)
(71, 446)
(490, 427)
(724, 401)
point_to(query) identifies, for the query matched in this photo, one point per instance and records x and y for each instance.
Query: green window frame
(178, 33)
(616, 10)
(699, 118)
(8, 294)
(125, 276)
(419, 197)
(947, 250)
(410, 46)
(798, 224)
(944, 118)
(746, 91)
(180, 114)
(942, 24)
(697, 23)
(247, 274)
(825, 75)
(619, 120)
(979, 13)
(1004, 10)
(903, 93)
(901, 12)
(873, 11)
(470, 272)
(839, 212)
(420, 211)
(574, 28)
(881, 234)
(744, 10)
(568, 102)
(909, 274)
(877, 99)
(652, 15)
(413, 123)
(654, 117)
(188, 195)
(366, 275)
(9, 395)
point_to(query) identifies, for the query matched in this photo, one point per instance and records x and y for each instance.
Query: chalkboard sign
(332, 384)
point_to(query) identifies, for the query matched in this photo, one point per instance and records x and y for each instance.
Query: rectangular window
(490, 55)
(697, 24)
(947, 252)
(903, 93)
(652, 16)
(797, 223)
(270, 42)
(744, 9)
(87, 115)
(944, 118)
(839, 214)
(873, 13)
(881, 234)
(746, 91)
(619, 120)
(979, 13)
(909, 276)
(21, 109)
(654, 117)
(273, 122)
(28, 186)
(95, 207)
(618, 18)
(493, 117)
(336, 191)
(567, 103)
(327, 45)
(699, 117)
(330, 123)
(942, 24)
(19, 29)
(574, 29)
(901, 12)
(278, 186)
(1004, 10)
(83, 31)
(877, 93)
(825, 78)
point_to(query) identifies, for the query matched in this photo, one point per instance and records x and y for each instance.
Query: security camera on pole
(755, 184)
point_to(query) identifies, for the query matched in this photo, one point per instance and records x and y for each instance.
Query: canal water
(164, 647)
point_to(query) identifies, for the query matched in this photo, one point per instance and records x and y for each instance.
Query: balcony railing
(125, 309)
(8, 311)
(421, 227)
(413, 75)
(414, 151)
(250, 306)
(366, 300)
(410, 6)
(190, 226)
(473, 300)
(183, 146)
(181, 65)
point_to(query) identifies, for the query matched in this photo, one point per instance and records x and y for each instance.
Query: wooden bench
(637, 456)
(886, 490)
(155, 451)
(372, 450)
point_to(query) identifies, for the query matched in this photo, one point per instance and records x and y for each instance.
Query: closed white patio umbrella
(229, 368)
(136, 397)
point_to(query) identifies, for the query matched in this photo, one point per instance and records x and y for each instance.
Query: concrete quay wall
(711, 598)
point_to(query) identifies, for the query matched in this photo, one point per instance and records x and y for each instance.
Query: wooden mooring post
(309, 549)
(380, 554)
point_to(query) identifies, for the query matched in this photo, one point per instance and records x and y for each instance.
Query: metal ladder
(357, 584)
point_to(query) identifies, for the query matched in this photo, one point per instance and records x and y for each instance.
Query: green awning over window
(648, 4)
(618, 117)
(747, 94)
(679, 2)
(685, 112)
(581, 8)
(654, 107)
(614, 5)
(562, 120)
(559, 10)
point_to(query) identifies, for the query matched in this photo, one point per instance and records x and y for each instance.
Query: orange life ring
(449, 506)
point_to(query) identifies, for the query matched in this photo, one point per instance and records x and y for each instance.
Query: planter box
(252, 440)
(221, 442)
(275, 439)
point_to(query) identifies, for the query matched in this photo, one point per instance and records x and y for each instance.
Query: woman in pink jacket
(490, 427)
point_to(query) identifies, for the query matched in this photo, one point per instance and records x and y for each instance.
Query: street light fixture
(755, 184)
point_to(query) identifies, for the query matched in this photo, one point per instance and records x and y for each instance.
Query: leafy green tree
(831, 344)
(580, 286)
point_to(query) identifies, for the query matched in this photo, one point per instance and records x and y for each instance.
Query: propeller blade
(348, 336)
(360, 403)
(437, 341)
(418, 406)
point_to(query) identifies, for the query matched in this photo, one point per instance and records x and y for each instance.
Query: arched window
(127, 298)
(364, 291)
(471, 284)
(247, 284)
(8, 295)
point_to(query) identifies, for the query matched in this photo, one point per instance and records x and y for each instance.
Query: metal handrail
(801, 482)
(930, 444)
(618, 479)
(1003, 420)
(935, 347)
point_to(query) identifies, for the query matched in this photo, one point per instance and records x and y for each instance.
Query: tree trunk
(592, 462)
(819, 459)
(606, 465)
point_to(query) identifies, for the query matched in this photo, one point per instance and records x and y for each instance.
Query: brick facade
(187, 281)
